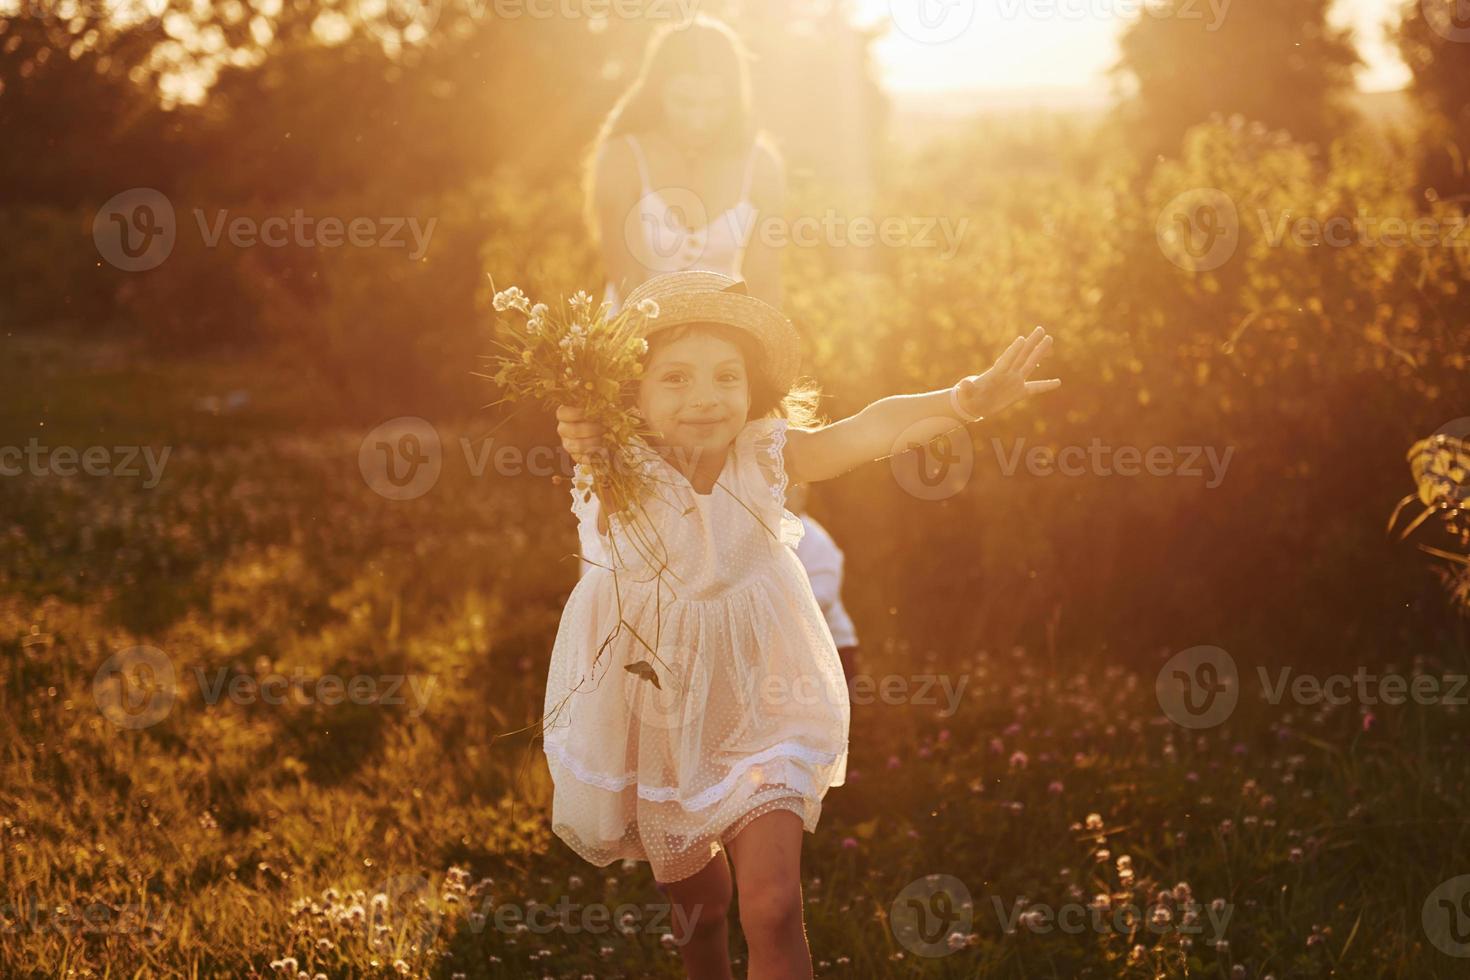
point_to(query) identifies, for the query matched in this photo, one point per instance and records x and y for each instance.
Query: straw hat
(699, 296)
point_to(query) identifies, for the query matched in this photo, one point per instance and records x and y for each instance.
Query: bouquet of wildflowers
(576, 354)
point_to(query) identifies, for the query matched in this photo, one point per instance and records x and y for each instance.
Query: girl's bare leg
(767, 856)
(700, 918)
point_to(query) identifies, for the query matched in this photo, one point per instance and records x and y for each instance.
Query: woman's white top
(751, 710)
(822, 559)
(667, 244)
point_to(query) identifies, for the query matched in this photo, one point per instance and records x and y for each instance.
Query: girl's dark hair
(703, 45)
(798, 404)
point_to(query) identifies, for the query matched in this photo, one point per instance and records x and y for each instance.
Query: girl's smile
(695, 394)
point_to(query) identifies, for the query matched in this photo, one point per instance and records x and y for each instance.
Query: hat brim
(778, 338)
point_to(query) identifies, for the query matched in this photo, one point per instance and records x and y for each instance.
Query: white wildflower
(511, 299)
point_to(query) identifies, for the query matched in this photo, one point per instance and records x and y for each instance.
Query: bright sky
(1020, 44)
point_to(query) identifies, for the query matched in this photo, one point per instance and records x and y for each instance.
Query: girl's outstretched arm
(820, 454)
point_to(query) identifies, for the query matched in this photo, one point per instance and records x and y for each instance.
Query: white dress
(718, 246)
(752, 712)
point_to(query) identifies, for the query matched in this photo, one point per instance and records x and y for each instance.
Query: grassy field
(207, 831)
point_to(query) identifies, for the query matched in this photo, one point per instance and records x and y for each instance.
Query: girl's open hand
(1005, 382)
(579, 437)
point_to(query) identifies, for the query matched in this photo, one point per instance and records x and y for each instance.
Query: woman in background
(679, 171)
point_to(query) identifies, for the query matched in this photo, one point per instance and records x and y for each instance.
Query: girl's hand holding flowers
(985, 394)
(580, 436)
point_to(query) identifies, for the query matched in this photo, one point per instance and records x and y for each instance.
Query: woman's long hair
(703, 45)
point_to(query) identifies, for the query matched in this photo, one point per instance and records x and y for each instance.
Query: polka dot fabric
(751, 713)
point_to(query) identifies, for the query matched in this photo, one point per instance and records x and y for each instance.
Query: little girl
(746, 728)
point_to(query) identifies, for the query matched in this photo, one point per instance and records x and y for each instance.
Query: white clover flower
(580, 302)
(511, 299)
(648, 308)
(538, 318)
(642, 347)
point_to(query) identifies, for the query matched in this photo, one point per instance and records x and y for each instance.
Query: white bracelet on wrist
(954, 403)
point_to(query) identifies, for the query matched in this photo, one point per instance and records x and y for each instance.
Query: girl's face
(695, 108)
(695, 393)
